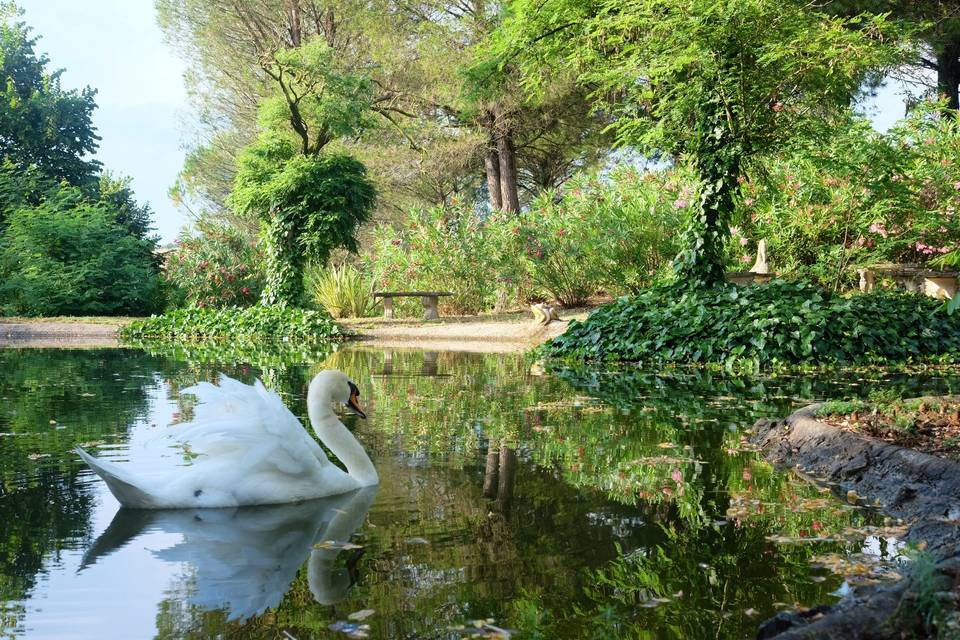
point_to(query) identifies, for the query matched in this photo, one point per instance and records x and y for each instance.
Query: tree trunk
(948, 73)
(508, 171)
(491, 163)
(296, 28)
(717, 159)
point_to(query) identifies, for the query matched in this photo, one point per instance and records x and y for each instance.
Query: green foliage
(443, 249)
(259, 322)
(69, 256)
(929, 587)
(720, 82)
(315, 101)
(840, 407)
(309, 206)
(762, 326)
(42, 126)
(614, 233)
(214, 266)
(115, 193)
(617, 233)
(342, 291)
(865, 198)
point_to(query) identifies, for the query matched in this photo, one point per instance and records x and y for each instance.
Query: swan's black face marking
(353, 404)
(197, 493)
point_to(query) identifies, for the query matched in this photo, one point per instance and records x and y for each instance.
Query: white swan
(249, 449)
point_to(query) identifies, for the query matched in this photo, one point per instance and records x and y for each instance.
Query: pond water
(568, 504)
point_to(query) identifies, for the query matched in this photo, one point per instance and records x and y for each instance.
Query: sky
(116, 47)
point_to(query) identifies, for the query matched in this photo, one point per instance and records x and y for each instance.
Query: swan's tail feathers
(120, 483)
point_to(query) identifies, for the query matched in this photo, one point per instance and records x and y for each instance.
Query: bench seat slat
(397, 294)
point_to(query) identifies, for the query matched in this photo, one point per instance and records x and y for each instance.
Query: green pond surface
(558, 504)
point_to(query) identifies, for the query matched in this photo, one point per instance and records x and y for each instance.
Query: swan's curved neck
(337, 437)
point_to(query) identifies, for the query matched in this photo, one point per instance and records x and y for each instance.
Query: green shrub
(617, 234)
(759, 326)
(342, 291)
(442, 250)
(214, 266)
(69, 256)
(867, 197)
(260, 322)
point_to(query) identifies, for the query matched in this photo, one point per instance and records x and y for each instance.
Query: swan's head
(334, 386)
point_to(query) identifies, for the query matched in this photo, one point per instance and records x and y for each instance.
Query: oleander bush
(258, 322)
(442, 249)
(762, 326)
(613, 234)
(214, 265)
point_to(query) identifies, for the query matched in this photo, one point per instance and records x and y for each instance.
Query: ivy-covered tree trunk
(717, 157)
(283, 263)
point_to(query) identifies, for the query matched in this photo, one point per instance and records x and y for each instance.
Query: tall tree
(42, 126)
(711, 82)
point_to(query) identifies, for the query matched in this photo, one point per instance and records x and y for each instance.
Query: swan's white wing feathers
(252, 421)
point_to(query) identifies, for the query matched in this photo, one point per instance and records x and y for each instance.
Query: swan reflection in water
(243, 559)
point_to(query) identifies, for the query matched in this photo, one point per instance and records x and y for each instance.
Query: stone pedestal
(430, 311)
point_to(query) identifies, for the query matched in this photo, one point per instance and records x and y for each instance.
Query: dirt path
(494, 333)
(15, 333)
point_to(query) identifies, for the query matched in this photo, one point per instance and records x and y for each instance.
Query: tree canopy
(42, 125)
(711, 82)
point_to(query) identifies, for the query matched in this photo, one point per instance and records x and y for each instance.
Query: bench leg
(430, 308)
(388, 307)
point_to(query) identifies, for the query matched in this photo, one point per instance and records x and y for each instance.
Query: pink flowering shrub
(214, 266)
(864, 199)
(614, 234)
(441, 249)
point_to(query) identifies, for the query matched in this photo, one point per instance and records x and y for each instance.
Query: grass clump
(840, 407)
(343, 291)
(246, 323)
(778, 323)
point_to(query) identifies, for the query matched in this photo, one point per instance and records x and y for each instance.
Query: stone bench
(908, 277)
(429, 299)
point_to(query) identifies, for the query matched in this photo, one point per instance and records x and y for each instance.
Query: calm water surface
(568, 504)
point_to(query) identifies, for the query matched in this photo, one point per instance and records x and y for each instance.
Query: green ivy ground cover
(259, 322)
(779, 323)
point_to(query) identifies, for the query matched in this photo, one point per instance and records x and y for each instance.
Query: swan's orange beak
(354, 403)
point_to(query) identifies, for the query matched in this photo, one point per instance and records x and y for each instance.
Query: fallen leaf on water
(416, 541)
(483, 629)
(333, 544)
(859, 568)
(751, 612)
(363, 614)
(92, 443)
(37, 456)
(666, 445)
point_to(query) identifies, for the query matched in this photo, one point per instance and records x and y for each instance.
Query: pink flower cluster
(878, 227)
(927, 250)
